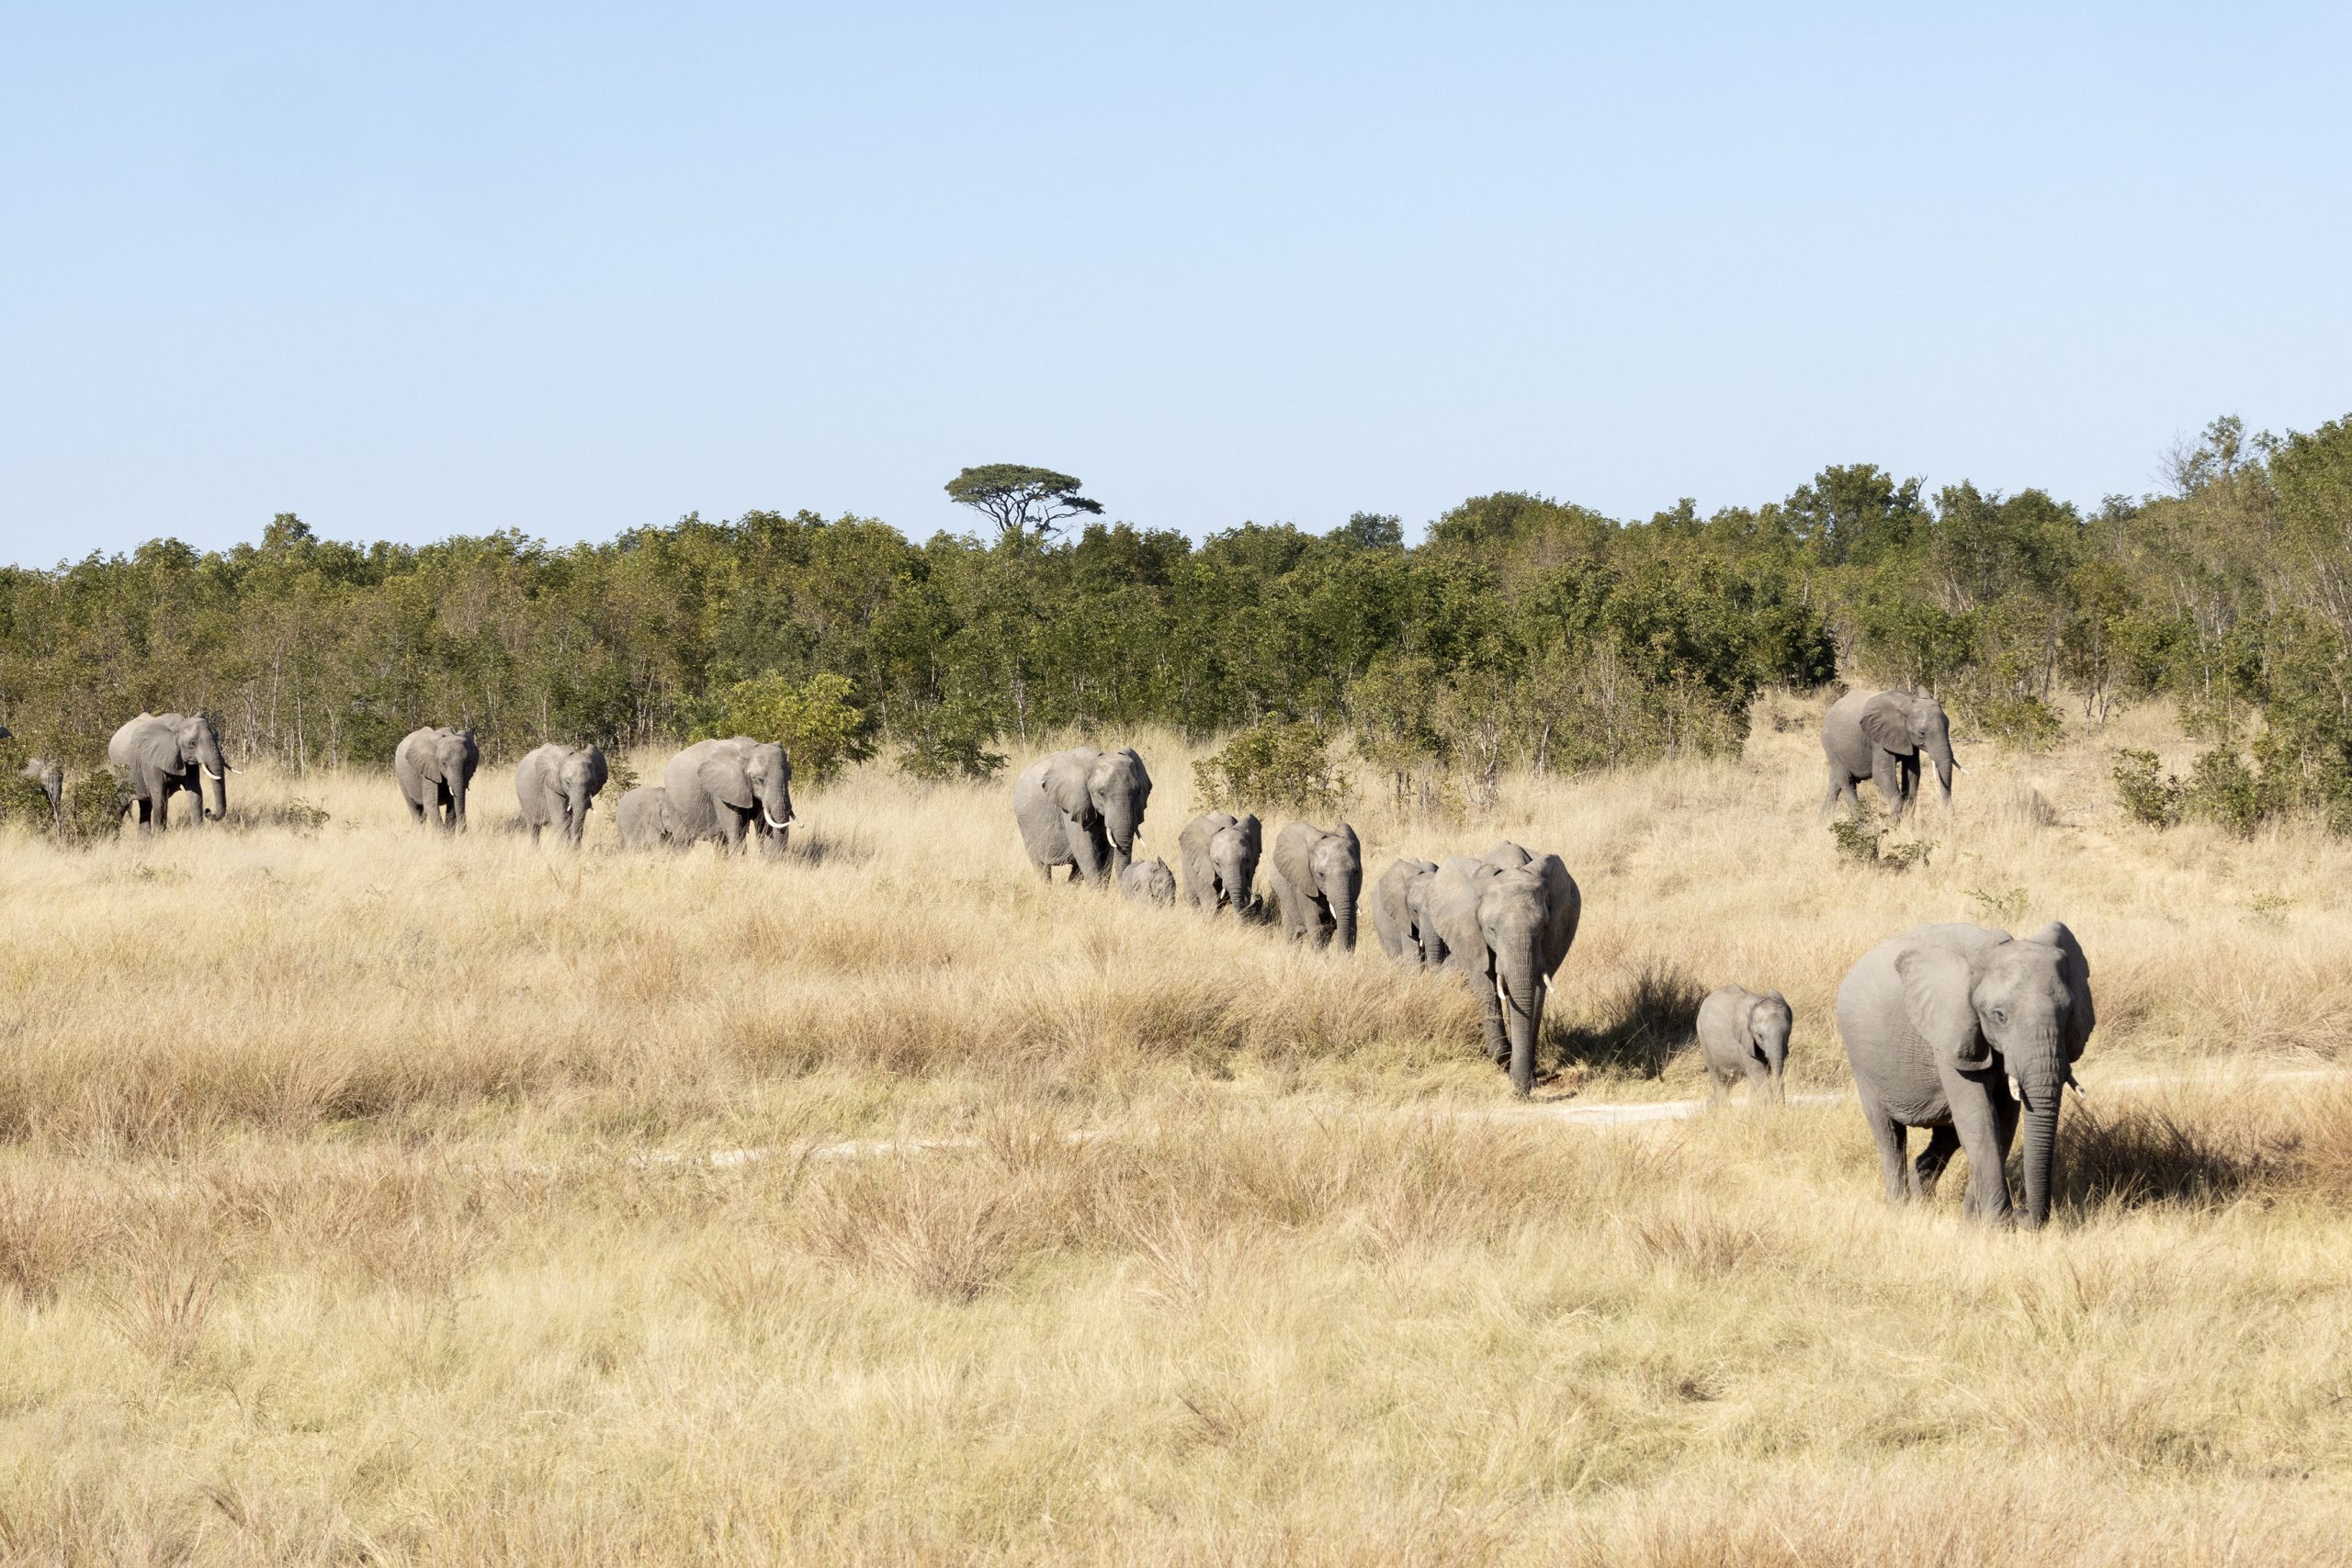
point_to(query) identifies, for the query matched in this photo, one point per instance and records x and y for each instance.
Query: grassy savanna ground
(338, 1219)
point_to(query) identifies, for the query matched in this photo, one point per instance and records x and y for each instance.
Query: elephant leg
(415, 811)
(1839, 786)
(1887, 773)
(1890, 1135)
(1977, 1124)
(1718, 1090)
(1490, 1005)
(1942, 1144)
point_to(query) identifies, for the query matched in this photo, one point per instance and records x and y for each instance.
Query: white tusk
(210, 774)
(770, 815)
(2017, 1090)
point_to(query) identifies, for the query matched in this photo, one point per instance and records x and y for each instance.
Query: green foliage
(1273, 764)
(1020, 501)
(813, 720)
(950, 742)
(24, 803)
(2151, 797)
(303, 817)
(2003, 907)
(2026, 723)
(620, 778)
(94, 808)
(2224, 788)
(1860, 839)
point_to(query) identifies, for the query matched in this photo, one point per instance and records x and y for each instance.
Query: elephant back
(690, 814)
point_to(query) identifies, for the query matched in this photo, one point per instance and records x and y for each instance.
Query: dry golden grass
(340, 1221)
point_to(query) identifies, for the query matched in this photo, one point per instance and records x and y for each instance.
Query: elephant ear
(427, 760)
(2075, 970)
(1066, 781)
(1936, 987)
(1886, 719)
(724, 778)
(1254, 833)
(598, 770)
(1565, 906)
(1295, 857)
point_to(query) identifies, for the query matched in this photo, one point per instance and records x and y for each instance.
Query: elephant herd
(1961, 1030)
(733, 791)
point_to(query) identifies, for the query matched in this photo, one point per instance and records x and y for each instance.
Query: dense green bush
(1282, 765)
(2151, 797)
(812, 720)
(94, 807)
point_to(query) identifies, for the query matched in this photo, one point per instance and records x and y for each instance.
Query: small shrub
(2151, 797)
(1273, 764)
(620, 778)
(950, 742)
(94, 808)
(303, 817)
(2026, 723)
(24, 802)
(814, 721)
(1859, 839)
(2001, 907)
(2224, 788)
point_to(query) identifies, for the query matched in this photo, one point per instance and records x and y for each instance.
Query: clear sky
(420, 269)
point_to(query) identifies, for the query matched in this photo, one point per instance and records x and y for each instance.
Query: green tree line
(1523, 631)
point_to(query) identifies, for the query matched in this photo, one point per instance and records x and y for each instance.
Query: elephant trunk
(1343, 921)
(219, 793)
(1520, 978)
(458, 804)
(2040, 1145)
(1939, 752)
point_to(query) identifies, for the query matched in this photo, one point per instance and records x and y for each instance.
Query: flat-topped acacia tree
(1019, 500)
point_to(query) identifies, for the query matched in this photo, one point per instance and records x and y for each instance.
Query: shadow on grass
(1651, 1016)
(2139, 1155)
(811, 846)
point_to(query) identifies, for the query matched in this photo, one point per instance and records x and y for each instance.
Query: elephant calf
(643, 817)
(1939, 1024)
(1507, 919)
(1317, 879)
(1219, 852)
(557, 784)
(436, 767)
(1399, 912)
(1743, 1035)
(1149, 881)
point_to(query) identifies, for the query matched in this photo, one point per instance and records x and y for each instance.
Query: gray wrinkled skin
(1082, 809)
(1400, 911)
(1219, 852)
(1317, 878)
(1744, 1038)
(1507, 919)
(642, 816)
(732, 793)
(163, 754)
(1940, 1024)
(1882, 736)
(1149, 881)
(556, 785)
(435, 768)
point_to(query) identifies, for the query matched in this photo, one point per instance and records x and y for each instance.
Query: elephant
(1399, 910)
(52, 779)
(434, 767)
(1149, 881)
(1964, 1030)
(1507, 919)
(1745, 1034)
(1882, 736)
(556, 785)
(643, 817)
(1317, 878)
(1219, 852)
(723, 790)
(163, 754)
(1082, 809)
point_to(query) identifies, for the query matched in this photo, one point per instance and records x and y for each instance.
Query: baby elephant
(1149, 881)
(1744, 1035)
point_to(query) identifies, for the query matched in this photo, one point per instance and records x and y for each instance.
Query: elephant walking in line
(1743, 1035)
(164, 754)
(1400, 911)
(436, 767)
(643, 817)
(1082, 809)
(732, 792)
(1317, 878)
(1149, 881)
(1882, 736)
(1941, 1024)
(1507, 919)
(557, 784)
(1219, 852)
(52, 779)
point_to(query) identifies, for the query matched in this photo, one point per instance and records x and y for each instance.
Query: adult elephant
(52, 779)
(1940, 1024)
(1400, 910)
(1219, 852)
(1318, 877)
(730, 790)
(1082, 809)
(557, 784)
(643, 817)
(436, 767)
(1882, 736)
(1507, 919)
(164, 754)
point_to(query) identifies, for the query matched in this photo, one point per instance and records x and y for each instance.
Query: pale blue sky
(423, 269)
